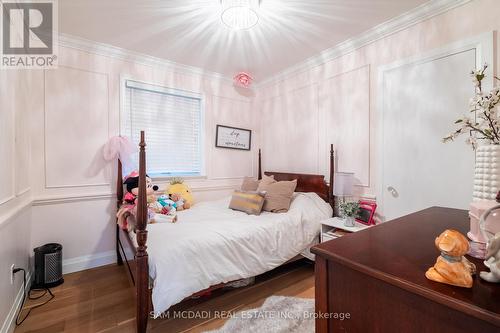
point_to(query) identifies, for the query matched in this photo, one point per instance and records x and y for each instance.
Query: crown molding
(399, 23)
(116, 52)
(385, 29)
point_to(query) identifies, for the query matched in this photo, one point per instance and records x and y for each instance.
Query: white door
(421, 100)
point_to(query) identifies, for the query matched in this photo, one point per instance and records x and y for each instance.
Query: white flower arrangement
(484, 123)
(349, 209)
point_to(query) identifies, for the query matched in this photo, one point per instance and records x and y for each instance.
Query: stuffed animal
(180, 204)
(177, 186)
(155, 206)
(168, 206)
(132, 183)
(165, 201)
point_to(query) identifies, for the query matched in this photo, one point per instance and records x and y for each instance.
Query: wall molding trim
(45, 131)
(116, 52)
(53, 200)
(60, 199)
(7, 199)
(383, 30)
(13, 212)
(89, 261)
(10, 322)
(325, 129)
(215, 188)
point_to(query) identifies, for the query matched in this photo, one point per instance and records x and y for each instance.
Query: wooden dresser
(377, 277)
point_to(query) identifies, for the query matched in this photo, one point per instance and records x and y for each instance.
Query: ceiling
(190, 31)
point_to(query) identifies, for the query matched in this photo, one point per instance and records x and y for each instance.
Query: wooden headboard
(307, 182)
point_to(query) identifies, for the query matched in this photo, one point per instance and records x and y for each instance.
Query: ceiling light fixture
(243, 80)
(240, 14)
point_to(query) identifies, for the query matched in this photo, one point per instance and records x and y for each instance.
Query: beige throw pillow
(250, 184)
(278, 195)
(248, 202)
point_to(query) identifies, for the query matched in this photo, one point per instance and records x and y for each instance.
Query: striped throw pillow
(248, 202)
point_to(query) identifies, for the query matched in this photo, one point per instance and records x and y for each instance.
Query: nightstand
(334, 227)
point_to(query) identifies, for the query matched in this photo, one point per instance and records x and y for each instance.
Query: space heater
(48, 266)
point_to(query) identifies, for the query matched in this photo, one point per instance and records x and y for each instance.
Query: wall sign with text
(233, 137)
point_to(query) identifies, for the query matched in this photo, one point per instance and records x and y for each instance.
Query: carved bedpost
(260, 165)
(331, 197)
(119, 200)
(141, 256)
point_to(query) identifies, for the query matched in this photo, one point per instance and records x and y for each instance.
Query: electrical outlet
(12, 273)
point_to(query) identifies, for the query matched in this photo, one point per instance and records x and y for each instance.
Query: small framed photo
(233, 137)
(366, 212)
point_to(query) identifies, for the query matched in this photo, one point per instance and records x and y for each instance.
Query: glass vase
(349, 221)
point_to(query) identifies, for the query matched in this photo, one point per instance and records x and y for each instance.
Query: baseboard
(10, 322)
(89, 261)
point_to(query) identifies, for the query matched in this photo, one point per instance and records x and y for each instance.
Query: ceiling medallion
(240, 14)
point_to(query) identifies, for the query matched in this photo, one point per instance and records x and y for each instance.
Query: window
(172, 120)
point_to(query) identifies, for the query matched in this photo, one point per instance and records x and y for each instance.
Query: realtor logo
(29, 34)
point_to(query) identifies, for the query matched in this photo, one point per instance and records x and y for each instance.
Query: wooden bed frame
(137, 266)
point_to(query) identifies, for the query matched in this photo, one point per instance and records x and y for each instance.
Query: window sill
(169, 178)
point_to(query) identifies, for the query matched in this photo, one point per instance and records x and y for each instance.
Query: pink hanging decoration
(123, 148)
(243, 80)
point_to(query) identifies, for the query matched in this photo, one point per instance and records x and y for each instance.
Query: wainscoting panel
(76, 103)
(344, 105)
(290, 131)
(230, 163)
(23, 137)
(7, 107)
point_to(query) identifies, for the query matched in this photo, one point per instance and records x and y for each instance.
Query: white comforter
(211, 244)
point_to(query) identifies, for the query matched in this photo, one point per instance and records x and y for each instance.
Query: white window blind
(172, 120)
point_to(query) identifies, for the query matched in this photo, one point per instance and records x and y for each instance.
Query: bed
(212, 245)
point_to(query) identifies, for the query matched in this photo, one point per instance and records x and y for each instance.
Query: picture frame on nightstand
(366, 212)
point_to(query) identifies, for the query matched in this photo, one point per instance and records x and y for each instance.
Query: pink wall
(79, 110)
(15, 185)
(336, 102)
(293, 121)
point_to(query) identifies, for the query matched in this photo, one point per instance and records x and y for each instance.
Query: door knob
(392, 191)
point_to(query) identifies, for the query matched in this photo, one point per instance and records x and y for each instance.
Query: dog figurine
(451, 266)
(492, 260)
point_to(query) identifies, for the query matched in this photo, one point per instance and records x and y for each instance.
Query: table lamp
(343, 184)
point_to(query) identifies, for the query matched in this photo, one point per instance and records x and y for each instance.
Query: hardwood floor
(101, 300)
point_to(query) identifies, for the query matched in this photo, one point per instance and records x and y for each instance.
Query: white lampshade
(343, 184)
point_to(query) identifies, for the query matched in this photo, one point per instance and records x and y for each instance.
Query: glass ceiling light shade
(243, 80)
(239, 14)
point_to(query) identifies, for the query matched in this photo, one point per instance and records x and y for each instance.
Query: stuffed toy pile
(163, 207)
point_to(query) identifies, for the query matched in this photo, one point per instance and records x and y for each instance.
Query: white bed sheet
(211, 244)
